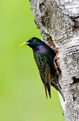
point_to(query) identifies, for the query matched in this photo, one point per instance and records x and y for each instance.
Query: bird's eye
(31, 40)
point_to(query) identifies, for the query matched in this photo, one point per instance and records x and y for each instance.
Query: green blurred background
(22, 96)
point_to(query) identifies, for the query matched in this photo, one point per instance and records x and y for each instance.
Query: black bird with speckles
(44, 57)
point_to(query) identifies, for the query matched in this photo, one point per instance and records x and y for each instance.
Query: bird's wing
(47, 80)
(44, 70)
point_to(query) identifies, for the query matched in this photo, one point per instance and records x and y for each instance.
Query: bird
(47, 65)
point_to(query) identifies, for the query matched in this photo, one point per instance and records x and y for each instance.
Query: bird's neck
(40, 49)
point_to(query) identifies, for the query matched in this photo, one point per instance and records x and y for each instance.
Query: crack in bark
(75, 80)
(51, 43)
(76, 22)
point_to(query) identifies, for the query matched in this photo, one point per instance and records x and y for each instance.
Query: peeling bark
(58, 21)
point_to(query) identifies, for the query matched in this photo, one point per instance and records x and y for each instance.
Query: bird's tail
(47, 90)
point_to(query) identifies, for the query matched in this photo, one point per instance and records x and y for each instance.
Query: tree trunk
(59, 27)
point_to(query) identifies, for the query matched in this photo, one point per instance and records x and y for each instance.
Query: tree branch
(58, 20)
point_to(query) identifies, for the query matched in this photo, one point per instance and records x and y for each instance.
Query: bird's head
(33, 42)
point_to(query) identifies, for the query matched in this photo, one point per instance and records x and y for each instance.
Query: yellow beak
(24, 44)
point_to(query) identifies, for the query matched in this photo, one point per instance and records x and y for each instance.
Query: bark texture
(59, 27)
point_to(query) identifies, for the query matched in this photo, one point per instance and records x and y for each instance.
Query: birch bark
(60, 31)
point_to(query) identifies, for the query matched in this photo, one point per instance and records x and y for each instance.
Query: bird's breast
(40, 60)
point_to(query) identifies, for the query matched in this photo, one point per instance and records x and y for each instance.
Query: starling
(47, 66)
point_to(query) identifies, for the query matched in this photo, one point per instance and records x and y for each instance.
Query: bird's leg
(54, 62)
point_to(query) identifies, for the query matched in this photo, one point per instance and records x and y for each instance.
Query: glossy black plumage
(44, 57)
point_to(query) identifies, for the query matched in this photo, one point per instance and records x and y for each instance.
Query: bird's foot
(54, 61)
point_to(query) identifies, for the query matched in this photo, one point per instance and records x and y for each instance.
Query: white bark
(52, 18)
